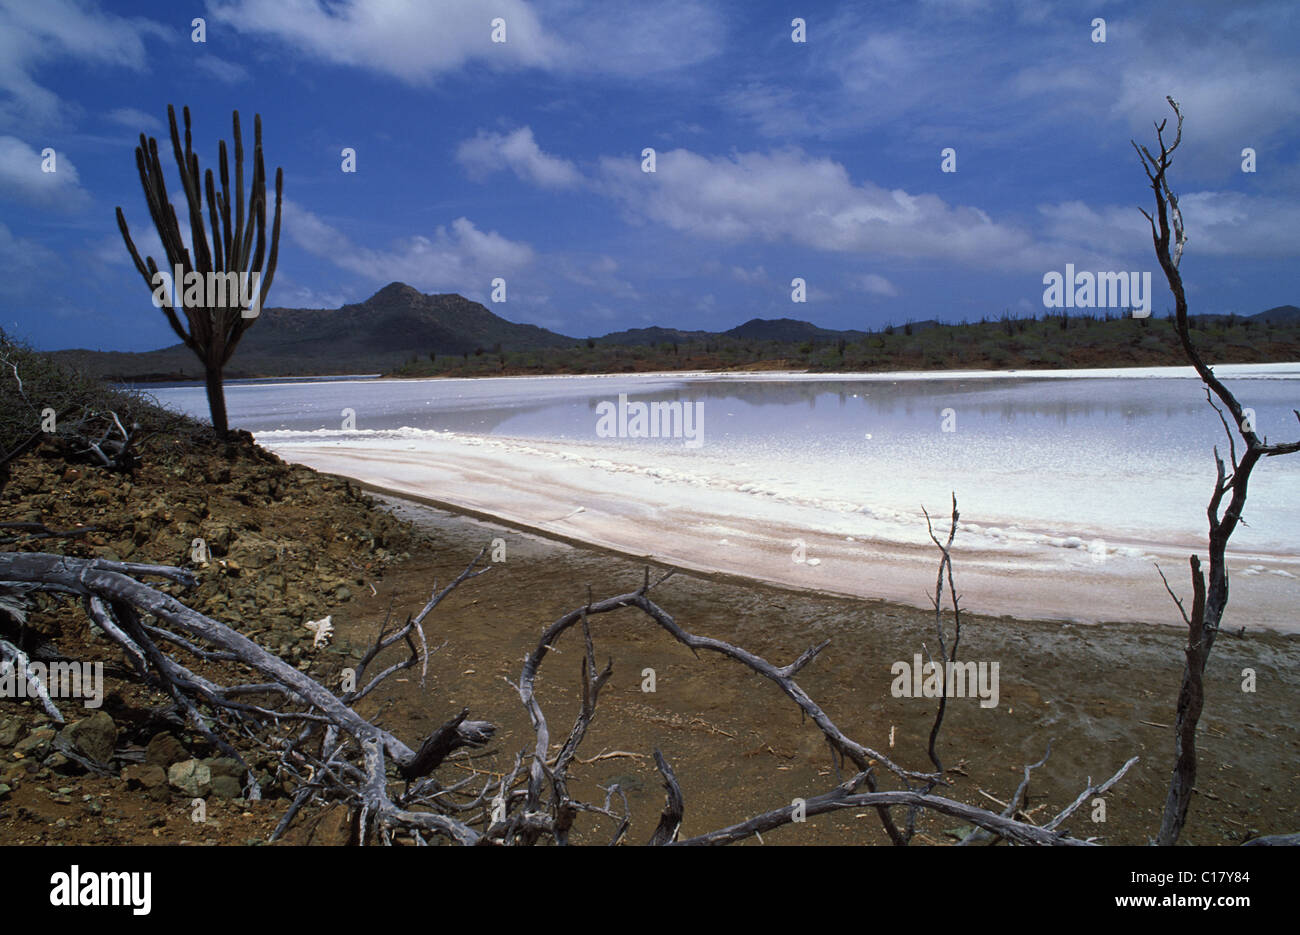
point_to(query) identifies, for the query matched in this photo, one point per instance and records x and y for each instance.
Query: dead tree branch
(1210, 599)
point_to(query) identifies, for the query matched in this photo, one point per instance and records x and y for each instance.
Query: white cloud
(518, 151)
(411, 41)
(292, 294)
(788, 196)
(34, 33)
(22, 178)
(1218, 224)
(457, 258)
(220, 69)
(112, 250)
(631, 39)
(596, 276)
(756, 276)
(416, 42)
(136, 120)
(775, 111)
(1224, 102)
(875, 284)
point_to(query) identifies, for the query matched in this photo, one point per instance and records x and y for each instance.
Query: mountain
(788, 329)
(396, 319)
(397, 323)
(642, 337)
(375, 335)
(1280, 315)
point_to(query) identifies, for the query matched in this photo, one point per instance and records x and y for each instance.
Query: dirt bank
(289, 545)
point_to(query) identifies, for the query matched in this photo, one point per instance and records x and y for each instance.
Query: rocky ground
(281, 545)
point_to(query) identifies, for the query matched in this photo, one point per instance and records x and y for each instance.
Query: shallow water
(1080, 472)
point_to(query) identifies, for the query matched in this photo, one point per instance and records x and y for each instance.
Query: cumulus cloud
(416, 42)
(413, 42)
(34, 33)
(1222, 97)
(459, 257)
(789, 196)
(22, 177)
(1218, 224)
(517, 151)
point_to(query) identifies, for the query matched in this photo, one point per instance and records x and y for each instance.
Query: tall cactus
(212, 328)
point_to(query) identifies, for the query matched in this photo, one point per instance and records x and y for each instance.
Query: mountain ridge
(398, 322)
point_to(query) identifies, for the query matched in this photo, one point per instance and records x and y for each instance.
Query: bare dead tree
(1209, 600)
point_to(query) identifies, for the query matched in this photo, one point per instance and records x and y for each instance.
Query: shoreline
(1100, 694)
(1180, 371)
(1023, 585)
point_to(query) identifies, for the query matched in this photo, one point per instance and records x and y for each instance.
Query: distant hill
(646, 337)
(396, 319)
(398, 327)
(378, 334)
(1281, 315)
(1049, 341)
(788, 329)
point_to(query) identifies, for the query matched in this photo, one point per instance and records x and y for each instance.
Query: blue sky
(775, 159)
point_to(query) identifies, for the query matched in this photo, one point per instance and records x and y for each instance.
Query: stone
(227, 787)
(36, 744)
(224, 766)
(164, 750)
(190, 777)
(144, 776)
(95, 736)
(10, 728)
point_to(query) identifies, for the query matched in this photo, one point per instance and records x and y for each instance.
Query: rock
(164, 750)
(227, 787)
(224, 766)
(95, 736)
(219, 538)
(36, 744)
(342, 594)
(60, 763)
(4, 791)
(144, 776)
(10, 728)
(190, 777)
